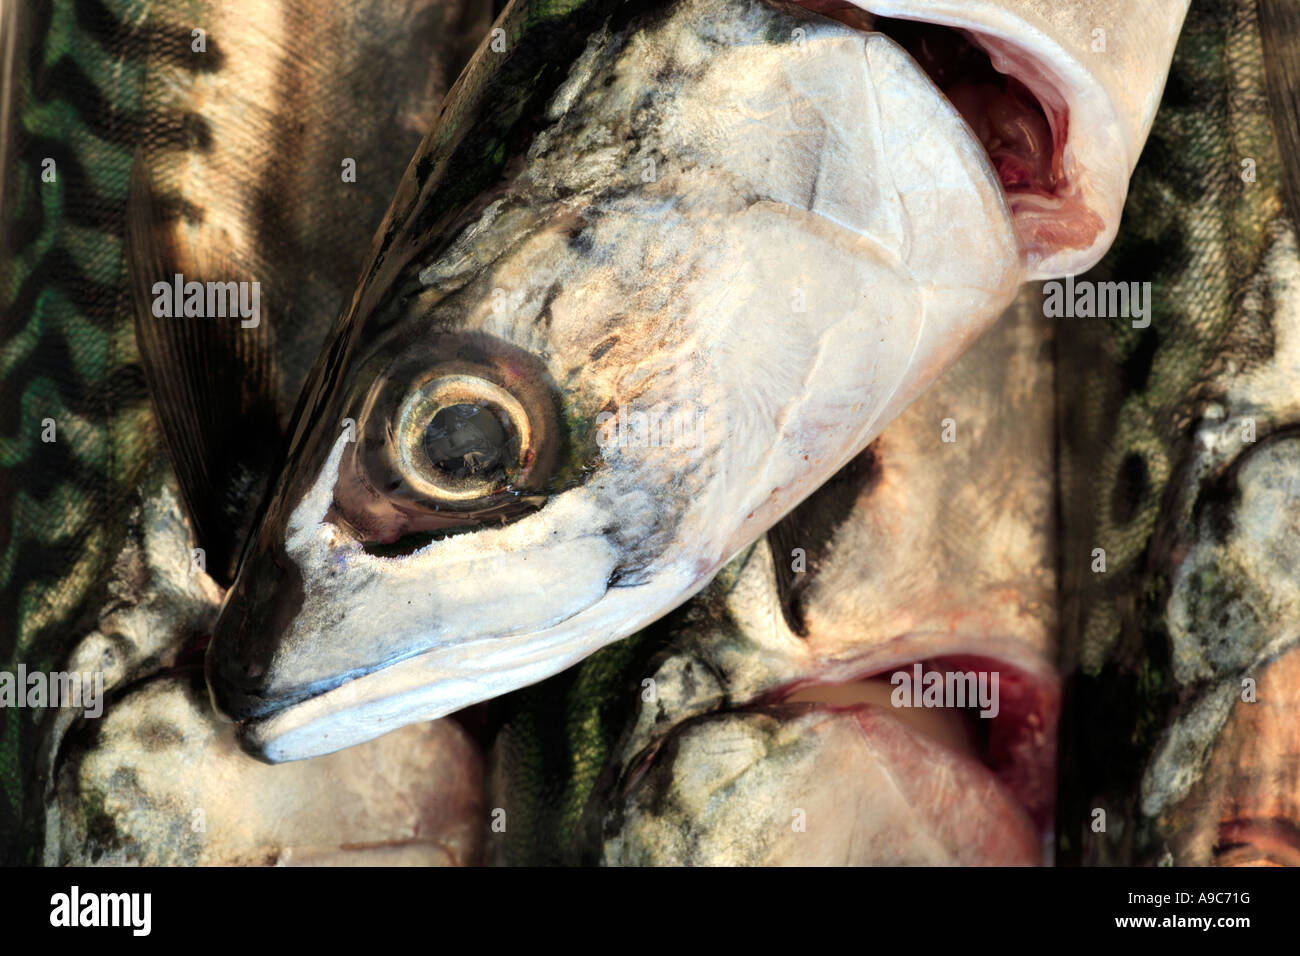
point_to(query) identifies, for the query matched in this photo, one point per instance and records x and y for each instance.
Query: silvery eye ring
(478, 407)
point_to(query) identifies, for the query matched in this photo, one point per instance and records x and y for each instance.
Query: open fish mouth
(1254, 842)
(937, 179)
(1018, 111)
(872, 774)
(1034, 109)
(990, 712)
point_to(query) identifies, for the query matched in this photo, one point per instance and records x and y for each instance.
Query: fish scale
(241, 145)
(1135, 407)
(67, 345)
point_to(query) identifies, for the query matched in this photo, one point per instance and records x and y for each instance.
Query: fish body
(1178, 462)
(677, 279)
(494, 202)
(1177, 478)
(241, 122)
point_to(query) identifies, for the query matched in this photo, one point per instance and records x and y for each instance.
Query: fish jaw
(460, 658)
(1099, 70)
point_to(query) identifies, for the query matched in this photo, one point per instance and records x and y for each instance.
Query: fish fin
(212, 381)
(1279, 27)
(10, 88)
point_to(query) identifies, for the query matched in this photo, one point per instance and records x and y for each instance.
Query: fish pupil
(466, 441)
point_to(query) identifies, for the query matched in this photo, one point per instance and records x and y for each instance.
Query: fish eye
(466, 441)
(462, 438)
(454, 432)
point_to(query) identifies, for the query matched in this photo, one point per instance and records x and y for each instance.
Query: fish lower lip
(250, 709)
(360, 707)
(985, 799)
(253, 714)
(1253, 842)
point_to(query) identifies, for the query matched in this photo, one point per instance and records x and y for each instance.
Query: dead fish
(757, 725)
(1179, 478)
(659, 272)
(131, 452)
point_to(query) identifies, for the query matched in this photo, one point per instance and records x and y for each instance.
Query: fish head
(607, 336)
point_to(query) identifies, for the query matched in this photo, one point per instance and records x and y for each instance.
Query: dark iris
(466, 441)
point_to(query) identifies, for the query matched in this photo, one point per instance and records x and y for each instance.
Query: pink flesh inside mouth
(1016, 746)
(1013, 107)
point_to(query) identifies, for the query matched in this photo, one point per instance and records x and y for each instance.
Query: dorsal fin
(1279, 27)
(211, 378)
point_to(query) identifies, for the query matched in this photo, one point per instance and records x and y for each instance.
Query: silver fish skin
(771, 736)
(765, 228)
(158, 780)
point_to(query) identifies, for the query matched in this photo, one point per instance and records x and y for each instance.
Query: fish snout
(261, 605)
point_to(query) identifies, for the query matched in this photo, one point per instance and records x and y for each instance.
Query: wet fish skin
(1178, 458)
(919, 548)
(808, 788)
(87, 84)
(352, 616)
(158, 780)
(173, 789)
